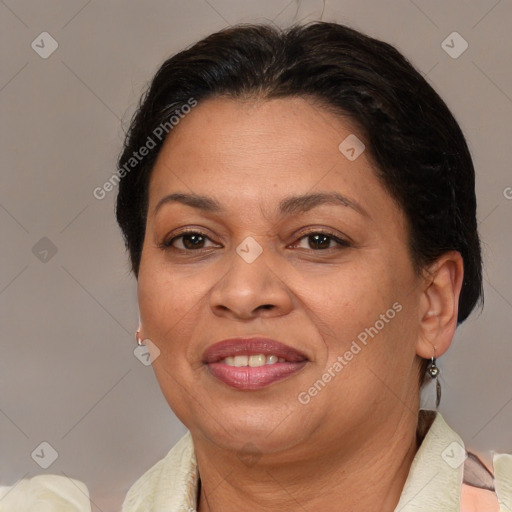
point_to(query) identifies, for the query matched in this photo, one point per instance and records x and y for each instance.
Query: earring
(433, 371)
(139, 341)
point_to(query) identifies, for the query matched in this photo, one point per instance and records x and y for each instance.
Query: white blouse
(434, 482)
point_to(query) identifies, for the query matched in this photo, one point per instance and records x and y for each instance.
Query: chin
(265, 429)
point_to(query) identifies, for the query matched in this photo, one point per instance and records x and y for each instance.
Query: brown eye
(190, 241)
(321, 240)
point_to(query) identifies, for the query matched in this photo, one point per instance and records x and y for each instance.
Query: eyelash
(167, 244)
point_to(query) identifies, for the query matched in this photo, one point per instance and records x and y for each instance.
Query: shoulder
(452, 478)
(52, 493)
(167, 483)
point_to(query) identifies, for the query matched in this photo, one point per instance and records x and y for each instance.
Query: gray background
(68, 375)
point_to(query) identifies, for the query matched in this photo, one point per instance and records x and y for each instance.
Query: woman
(299, 210)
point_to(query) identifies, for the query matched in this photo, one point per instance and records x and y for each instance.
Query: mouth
(252, 363)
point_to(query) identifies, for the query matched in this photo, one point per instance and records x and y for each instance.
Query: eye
(321, 240)
(190, 241)
(195, 241)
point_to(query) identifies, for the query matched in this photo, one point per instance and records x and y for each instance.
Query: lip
(252, 378)
(249, 347)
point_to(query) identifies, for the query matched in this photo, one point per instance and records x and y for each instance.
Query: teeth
(257, 360)
(252, 361)
(241, 361)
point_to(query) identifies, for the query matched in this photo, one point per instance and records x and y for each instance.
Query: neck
(369, 475)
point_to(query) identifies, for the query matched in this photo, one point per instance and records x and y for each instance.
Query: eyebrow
(288, 206)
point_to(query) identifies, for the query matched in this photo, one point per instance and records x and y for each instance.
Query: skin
(354, 442)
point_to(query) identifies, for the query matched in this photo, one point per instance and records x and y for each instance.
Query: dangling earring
(433, 371)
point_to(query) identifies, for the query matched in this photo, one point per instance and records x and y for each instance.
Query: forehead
(263, 150)
(292, 126)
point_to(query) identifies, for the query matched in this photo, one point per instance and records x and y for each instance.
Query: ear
(439, 304)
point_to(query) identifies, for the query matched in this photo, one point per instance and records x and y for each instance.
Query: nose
(247, 290)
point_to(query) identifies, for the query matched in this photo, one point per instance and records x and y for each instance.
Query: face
(292, 242)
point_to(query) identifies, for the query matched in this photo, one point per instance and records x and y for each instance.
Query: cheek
(366, 315)
(350, 299)
(169, 304)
